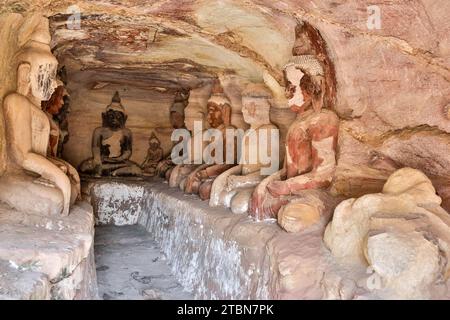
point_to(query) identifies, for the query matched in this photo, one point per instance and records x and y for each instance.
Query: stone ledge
(47, 257)
(219, 255)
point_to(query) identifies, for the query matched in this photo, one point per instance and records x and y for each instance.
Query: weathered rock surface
(130, 265)
(219, 255)
(47, 257)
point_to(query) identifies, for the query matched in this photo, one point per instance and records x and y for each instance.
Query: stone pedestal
(47, 257)
(213, 253)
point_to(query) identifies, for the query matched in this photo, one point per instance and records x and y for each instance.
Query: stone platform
(47, 257)
(213, 253)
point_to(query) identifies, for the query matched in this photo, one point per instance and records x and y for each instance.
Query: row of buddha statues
(310, 150)
(112, 143)
(401, 234)
(34, 138)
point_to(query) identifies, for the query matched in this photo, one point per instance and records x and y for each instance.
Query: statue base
(47, 257)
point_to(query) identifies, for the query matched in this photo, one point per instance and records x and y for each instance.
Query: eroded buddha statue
(310, 150)
(234, 187)
(35, 182)
(194, 123)
(154, 155)
(177, 116)
(200, 180)
(112, 145)
(396, 242)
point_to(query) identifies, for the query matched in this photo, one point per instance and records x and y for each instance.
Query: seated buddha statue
(192, 156)
(177, 116)
(234, 187)
(112, 145)
(154, 156)
(34, 182)
(310, 148)
(200, 180)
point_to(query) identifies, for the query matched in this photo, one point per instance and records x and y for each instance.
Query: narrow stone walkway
(130, 266)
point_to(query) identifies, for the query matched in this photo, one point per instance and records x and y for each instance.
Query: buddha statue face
(218, 115)
(293, 76)
(114, 119)
(214, 116)
(43, 81)
(115, 116)
(176, 119)
(54, 105)
(154, 143)
(37, 75)
(183, 95)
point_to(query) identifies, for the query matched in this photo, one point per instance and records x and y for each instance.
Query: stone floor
(131, 266)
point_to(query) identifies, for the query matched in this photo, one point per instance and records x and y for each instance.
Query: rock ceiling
(168, 43)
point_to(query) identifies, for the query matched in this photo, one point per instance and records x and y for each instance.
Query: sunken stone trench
(130, 265)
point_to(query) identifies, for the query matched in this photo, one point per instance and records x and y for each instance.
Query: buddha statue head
(55, 103)
(36, 71)
(115, 116)
(256, 104)
(177, 109)
(305, 84)
(218, 107)
(153, 142)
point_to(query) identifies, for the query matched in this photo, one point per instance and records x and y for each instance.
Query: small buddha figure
(200, 180)
(112, 145)
(234, 187)
(177, 116)
(154, 155)
(310, 148)
(34, 182)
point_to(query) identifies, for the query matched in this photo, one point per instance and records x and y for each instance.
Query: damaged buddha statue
(190, 158)
(200, 180)
(35, 182)
(112, 145)
(177, 116)
(310, 149)
(233, 188)
(396, 243)
(154, 155)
